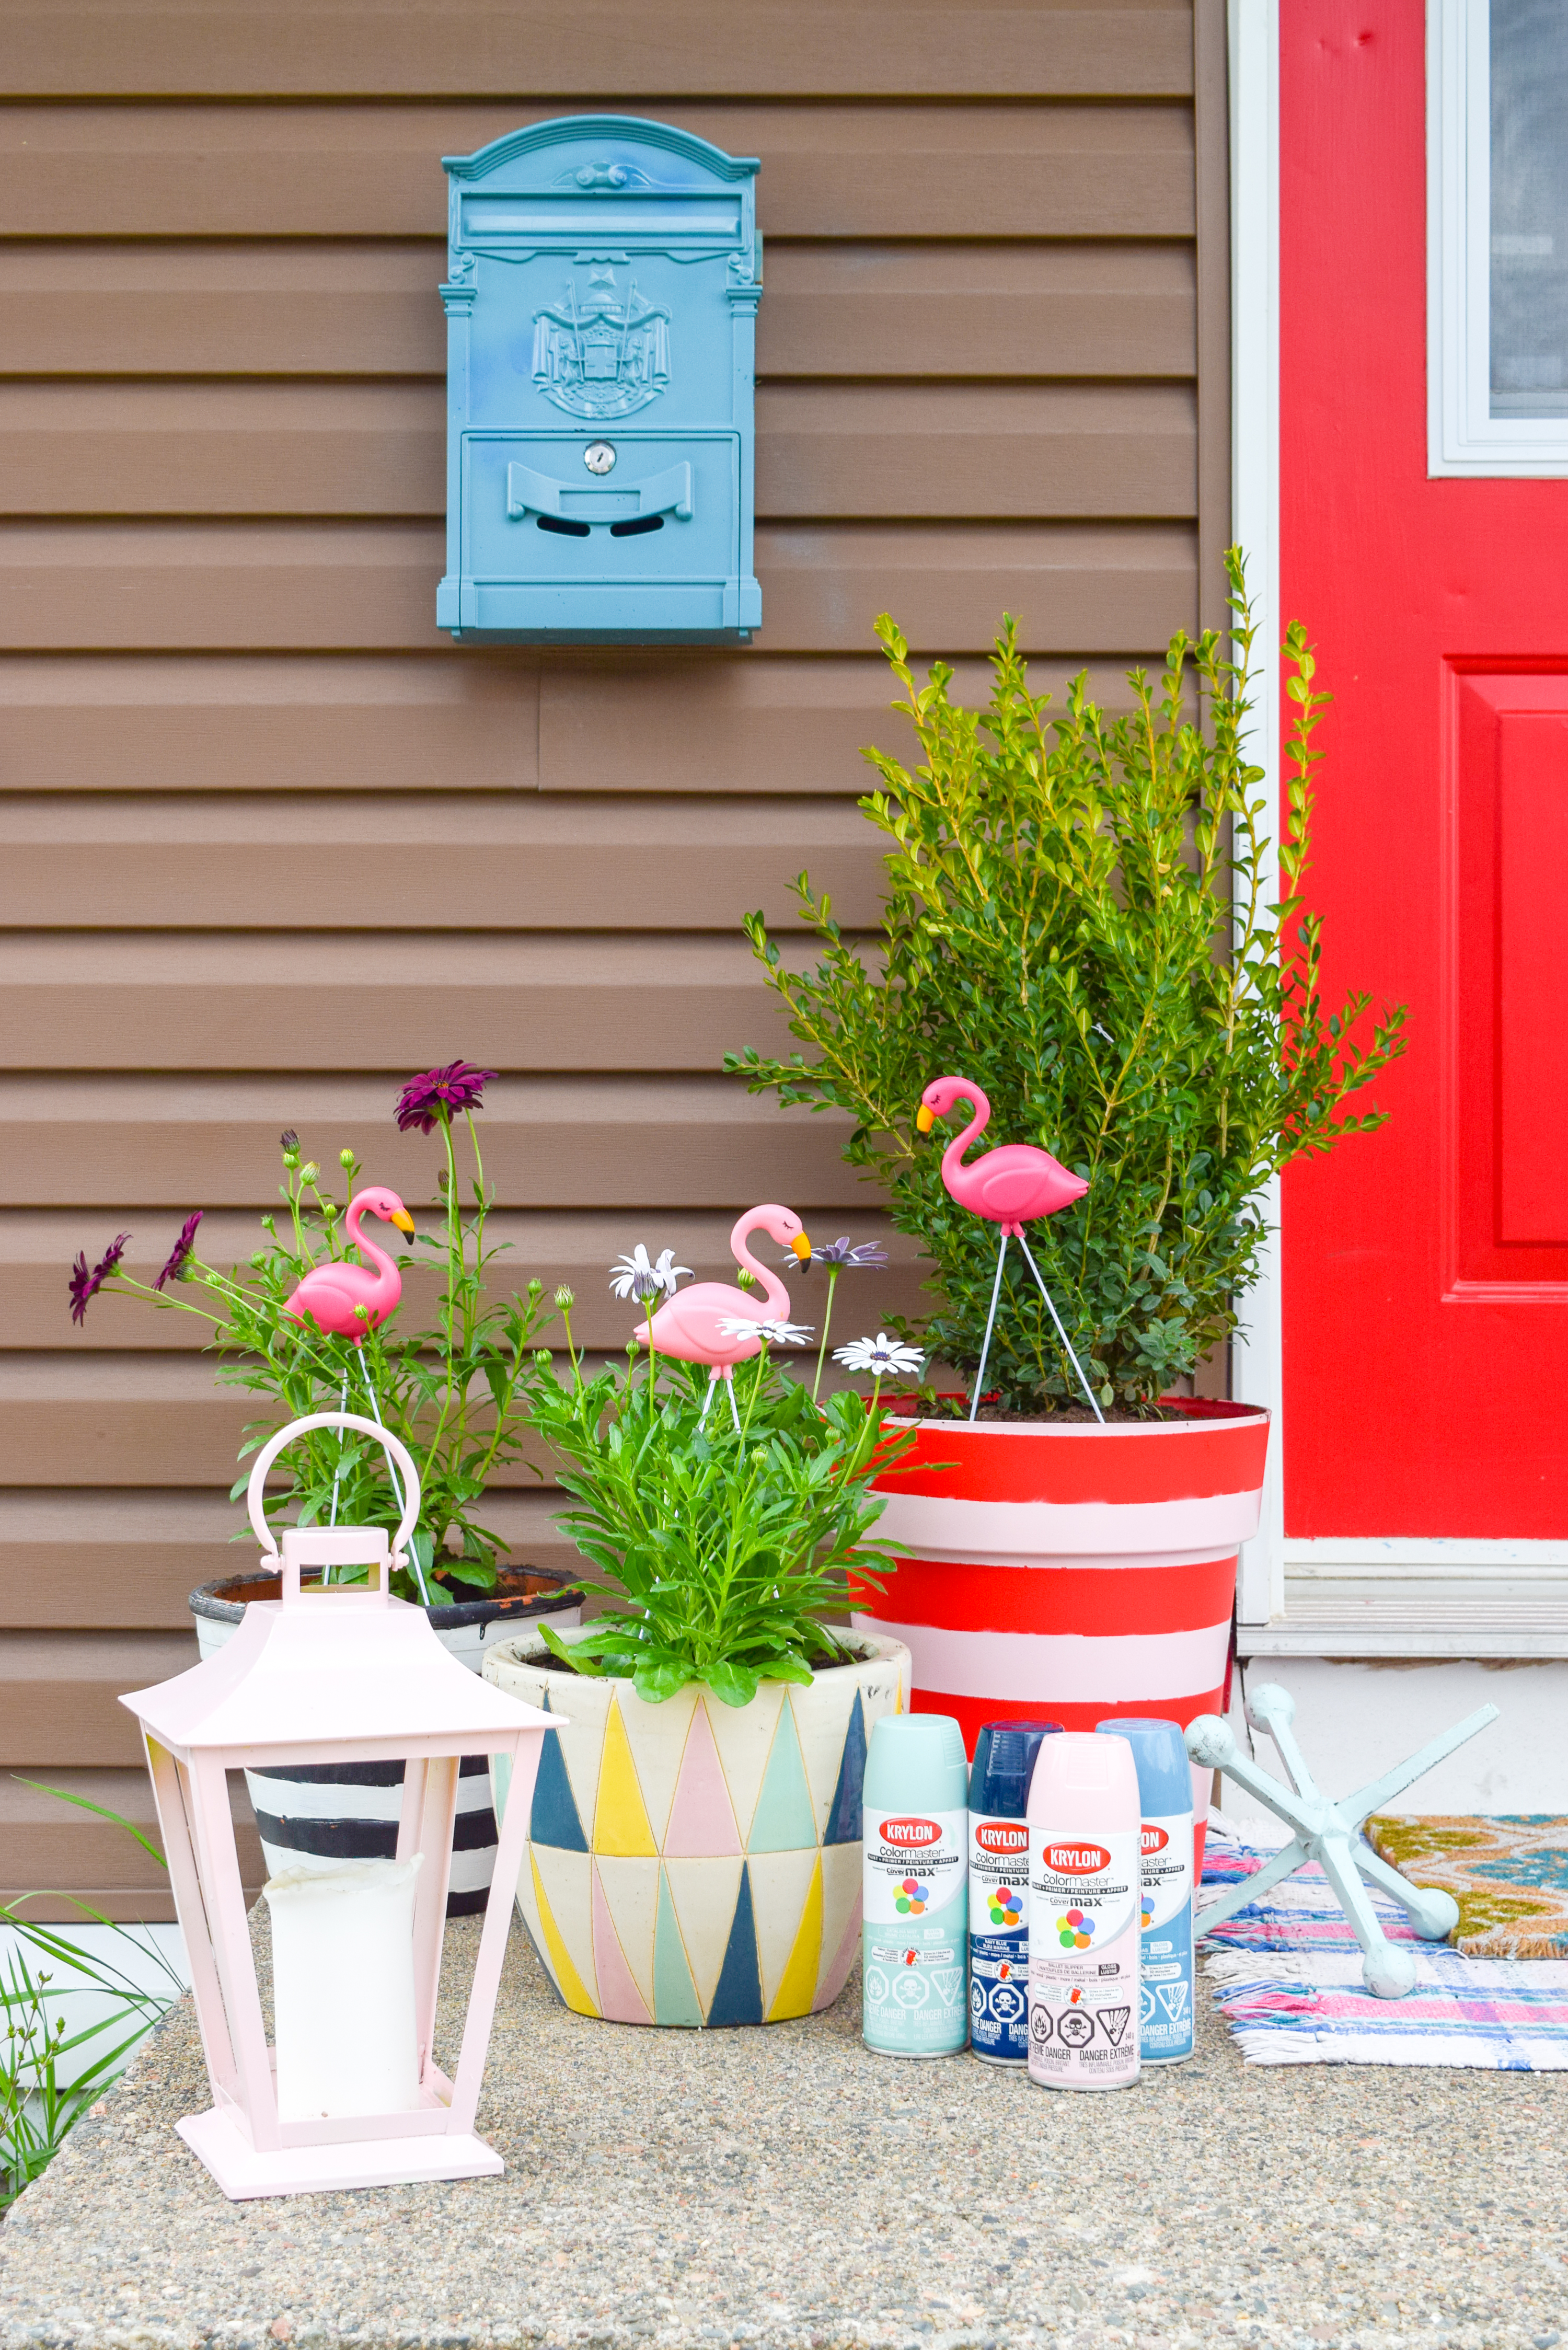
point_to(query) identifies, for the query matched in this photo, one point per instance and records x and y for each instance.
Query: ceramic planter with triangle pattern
(692, 1863)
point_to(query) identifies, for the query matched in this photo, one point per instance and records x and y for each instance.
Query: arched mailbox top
(628, 144)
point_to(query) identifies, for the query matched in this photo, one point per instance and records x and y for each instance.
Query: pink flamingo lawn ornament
(1008, 1185)
(690, 1324)
(350, 1300)
(333, 1294)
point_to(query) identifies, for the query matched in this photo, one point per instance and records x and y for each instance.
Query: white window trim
(1464, 439)
(1373, 1595)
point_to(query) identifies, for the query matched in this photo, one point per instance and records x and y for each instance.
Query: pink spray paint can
(1084, 1913)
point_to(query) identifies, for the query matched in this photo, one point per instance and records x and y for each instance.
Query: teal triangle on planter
(554, 1819)
(784, 1820)
(675, 1997)
(739, 1998)
(844, 1821)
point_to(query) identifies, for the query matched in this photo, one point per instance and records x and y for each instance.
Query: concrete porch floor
(780, 2186)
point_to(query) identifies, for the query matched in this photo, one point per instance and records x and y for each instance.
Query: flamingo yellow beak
(404, 1222)
(924, 1119)
(802, 1248)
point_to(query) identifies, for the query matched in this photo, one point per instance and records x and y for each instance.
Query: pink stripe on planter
(844, 1958)
(619, 1997)
(701, 1818)
(1059, 1667)
(1024, 1533)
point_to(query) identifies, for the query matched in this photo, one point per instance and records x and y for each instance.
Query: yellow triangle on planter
(797, 1986)
(567, 1976)
(621, 1815)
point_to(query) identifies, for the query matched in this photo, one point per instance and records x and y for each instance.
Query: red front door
(1426, 1267)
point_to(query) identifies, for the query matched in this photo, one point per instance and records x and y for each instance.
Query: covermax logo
(911, 1835)
(1001, 1835)
(1154, 1839)
(1076, 1860)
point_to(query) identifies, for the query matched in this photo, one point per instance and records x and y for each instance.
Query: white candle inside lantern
(343, 1989)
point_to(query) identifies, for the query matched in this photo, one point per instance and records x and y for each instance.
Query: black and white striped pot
(329, 1812)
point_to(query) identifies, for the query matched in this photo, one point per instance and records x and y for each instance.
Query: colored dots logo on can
(912, 1898)
(1006, 1908)
(1075, 1931)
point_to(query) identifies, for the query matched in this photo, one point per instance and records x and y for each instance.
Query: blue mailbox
(601, 297)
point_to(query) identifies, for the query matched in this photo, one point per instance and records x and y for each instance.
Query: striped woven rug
(1286, 1977)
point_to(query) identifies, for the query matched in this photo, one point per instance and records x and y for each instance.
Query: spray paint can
(1165, 1797)
(1004, 1755)
(1083, 1910)
(915, 1926)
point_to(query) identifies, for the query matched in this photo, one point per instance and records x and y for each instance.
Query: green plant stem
(832, 1272)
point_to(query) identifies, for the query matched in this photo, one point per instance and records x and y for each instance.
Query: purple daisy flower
(181, 1249)
(86, 1284)
(839, 1252)
(437, 1095)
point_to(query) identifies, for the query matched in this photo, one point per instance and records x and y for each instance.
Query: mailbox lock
(598, 457)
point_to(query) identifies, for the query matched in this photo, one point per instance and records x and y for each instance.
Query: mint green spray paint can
(914, 1941)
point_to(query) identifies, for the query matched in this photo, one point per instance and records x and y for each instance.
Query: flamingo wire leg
(990, 1325)
(734, 1407)
(1066, 1342)
(397, 1482)
(709, 1397)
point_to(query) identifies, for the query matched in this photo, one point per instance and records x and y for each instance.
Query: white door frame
(1405, 1596)
(1257, 1350)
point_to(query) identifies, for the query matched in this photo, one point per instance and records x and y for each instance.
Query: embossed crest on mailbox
(602, 286)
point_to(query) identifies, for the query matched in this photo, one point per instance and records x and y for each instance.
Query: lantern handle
(389, 1444)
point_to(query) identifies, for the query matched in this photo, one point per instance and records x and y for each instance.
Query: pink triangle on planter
(701, 1818)
(620, 1998)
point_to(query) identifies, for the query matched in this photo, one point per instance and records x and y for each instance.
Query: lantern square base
(243, 2173)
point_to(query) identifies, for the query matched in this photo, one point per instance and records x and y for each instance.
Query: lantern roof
(328, 1670)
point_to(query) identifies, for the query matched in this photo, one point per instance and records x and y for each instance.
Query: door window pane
(1529, 274)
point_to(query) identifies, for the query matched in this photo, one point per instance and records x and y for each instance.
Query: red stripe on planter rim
(1221, 1451)
(1102, 1602)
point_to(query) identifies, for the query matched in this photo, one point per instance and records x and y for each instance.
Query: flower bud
(535, 1288)
(289, 1139)
(346, 1158)
(258, 1260)
(566, 1297)
(542, 1358)
(745, 1280)
(310, 1172)
(362, 1313)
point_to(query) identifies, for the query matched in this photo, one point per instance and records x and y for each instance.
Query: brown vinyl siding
(271, 842)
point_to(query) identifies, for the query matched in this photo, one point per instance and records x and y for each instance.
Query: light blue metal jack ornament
(1329, 1833)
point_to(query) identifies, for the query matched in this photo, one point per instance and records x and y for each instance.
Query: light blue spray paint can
(1004, 1755)
(915, 1930)
(1165, 1798)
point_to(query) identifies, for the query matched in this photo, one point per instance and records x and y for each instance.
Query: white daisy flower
(638, 1276)
(772, 1334)
(880, 1356)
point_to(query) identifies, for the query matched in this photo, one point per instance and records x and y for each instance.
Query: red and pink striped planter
(1071, 1571)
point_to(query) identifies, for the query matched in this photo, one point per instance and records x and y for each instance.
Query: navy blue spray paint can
(999, 1779)
(1165, 1800)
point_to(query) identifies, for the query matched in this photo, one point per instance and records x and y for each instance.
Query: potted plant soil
(694, 1849)
(1081, 937)
(313, 1324)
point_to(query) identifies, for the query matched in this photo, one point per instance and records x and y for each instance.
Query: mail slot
(603, 277)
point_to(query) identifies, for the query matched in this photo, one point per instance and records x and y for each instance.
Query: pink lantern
(349, 2094)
